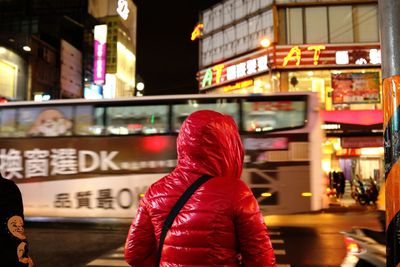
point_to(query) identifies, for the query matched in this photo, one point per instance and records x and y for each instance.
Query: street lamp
(265, 42)
(139, 88)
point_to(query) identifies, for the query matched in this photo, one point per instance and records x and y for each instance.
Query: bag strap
(175, 210)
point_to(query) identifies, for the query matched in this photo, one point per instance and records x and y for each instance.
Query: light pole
(265, 42)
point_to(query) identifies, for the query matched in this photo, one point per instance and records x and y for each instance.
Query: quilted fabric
(220, 220)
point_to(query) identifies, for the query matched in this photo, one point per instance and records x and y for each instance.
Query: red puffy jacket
(220, 220)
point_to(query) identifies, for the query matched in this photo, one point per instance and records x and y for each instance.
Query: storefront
(354, 144)
(347, 78)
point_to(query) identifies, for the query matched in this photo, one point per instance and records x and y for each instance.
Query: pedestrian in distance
(13, 242)
(220, 224)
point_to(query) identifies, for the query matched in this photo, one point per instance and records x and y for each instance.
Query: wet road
(298, 240)
(61, 245)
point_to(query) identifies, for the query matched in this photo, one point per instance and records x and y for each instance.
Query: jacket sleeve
(141, 245)
(253, 240)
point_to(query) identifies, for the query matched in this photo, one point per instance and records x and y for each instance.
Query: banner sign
(352, 87)
(109, 196)
(361, 141)
(50, 159)
(106, 176)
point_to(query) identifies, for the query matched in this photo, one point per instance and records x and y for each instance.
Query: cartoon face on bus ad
(50, 122)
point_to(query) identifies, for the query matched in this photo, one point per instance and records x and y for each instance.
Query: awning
(356, 117)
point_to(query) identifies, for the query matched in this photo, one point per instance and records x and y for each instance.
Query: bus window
(8, 122)
(88, 120)
(137, 120)
(49, 121)
(269, 116)
(181, 111)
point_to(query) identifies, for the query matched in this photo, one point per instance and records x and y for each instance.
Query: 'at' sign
(295, 54)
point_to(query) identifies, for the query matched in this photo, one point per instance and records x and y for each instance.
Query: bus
(95, 158)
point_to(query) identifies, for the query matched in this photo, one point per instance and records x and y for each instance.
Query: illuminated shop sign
(122, 9)
(99, 65)
(197, 32)
(361, 141)
(233, 70)
(295, 54)
(325, 55)
(239, 85)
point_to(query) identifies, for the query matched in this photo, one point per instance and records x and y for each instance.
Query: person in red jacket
(221, 221)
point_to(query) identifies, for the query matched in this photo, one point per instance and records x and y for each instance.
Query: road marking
(274, 233)
(117, 256)
(108, 262)
(279, 252)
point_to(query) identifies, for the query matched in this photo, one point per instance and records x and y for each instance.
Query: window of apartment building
(8, 76)
(329, 24)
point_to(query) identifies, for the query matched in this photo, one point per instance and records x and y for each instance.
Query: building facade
(47, 48)
(329, 47)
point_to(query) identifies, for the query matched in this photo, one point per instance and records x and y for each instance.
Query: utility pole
(389, 21)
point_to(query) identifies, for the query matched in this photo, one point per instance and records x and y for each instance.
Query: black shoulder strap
(175, 210)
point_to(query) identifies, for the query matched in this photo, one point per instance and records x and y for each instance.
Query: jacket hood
(209, 143)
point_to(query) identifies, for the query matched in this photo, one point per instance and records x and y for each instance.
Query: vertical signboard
(71, 70)
(100, 41)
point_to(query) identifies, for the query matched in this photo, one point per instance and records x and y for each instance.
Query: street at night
(192, 117)
(298, 240)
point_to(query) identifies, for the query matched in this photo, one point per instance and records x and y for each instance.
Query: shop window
(137, 120)
(329, 24)
(340, 89)
(365, 23)
(294, 22)
(340, 24)
(316, 25)
(8, 73)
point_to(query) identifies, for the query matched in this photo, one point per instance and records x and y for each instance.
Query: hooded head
(209, 143)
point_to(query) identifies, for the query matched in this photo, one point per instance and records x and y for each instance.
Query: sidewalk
(346, 205)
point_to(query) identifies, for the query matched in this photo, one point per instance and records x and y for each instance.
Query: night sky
(167, 60)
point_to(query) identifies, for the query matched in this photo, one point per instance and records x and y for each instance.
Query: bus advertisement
(96, 158)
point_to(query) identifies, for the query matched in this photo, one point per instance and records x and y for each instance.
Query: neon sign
(295, 54)
(197, 32)
(239, 85)
(224, 73)
(122, 9)
(99, 64)
(326, 55)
